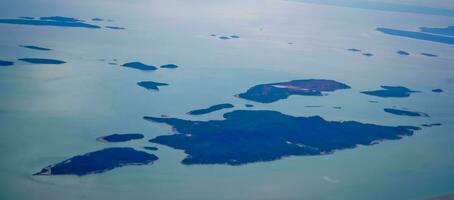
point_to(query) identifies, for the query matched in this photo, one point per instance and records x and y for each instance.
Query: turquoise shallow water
(51, 112)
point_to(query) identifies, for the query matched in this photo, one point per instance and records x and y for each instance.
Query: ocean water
(49, 113)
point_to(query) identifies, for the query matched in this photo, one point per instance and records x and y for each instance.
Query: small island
(368, 54)
(447, 31)
(247, 136)
(446, 39)
(35, 47)
(391, 91)
(313, 106)
(99, 161)
(140, 66)
(438, 90)
(60, 19)
(210, 109)
(405, 112)
(42, 61)
(431, 125)
(151, 85)
(50, 21)
(115, 27)
(403, 53)
(169, 66)
(151, 148)
(429, 55)
(120, 137)
(271, 92)
(6, 63)
(354, 50)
